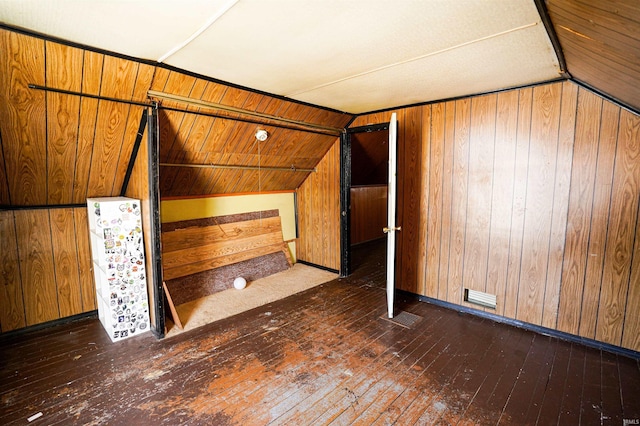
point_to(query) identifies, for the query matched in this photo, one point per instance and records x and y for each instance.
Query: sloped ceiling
(601, 44)
(353, 56)
(350, 56)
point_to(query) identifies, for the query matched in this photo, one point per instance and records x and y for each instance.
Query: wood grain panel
(22, 117)
(232, 245)
(447, 197)
(424, 221)
(479, 192)
(111, 125)
(87, 286)
(610, 121)
(228, 141)
(409, 178)
(368, 213)
(318, 187)
(600, 43)
(622, 226)
(186, 238)
(192, 140)
(564, 156)
(460, 180)
(91, 83)
(12, 314)
(65, 261)
(177, 84)
(523, 144)
(320, 244)
(46, 272)
(435, 189)
(183, 126)
(564, 191)
(502, 197)
(64, 71)
(545, 119)
(36, 266)
(142, 85)
(585, 156)
(631, 330)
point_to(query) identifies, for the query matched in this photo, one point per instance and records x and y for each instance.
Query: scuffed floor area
(322, 356)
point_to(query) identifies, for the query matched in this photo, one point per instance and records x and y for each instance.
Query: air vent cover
(480, 298)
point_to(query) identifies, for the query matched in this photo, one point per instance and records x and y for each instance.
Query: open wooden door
(391, 228)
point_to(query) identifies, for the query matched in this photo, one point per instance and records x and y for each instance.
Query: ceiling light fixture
(262, 135)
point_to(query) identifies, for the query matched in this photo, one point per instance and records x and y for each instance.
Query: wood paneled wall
(318, 200)
(528, 194)
(368, 213)
(46, 266)
(58, 149)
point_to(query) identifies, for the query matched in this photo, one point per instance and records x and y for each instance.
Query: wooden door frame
(157, 328)
(345, 192)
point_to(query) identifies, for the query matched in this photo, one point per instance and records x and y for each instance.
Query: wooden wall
(57, 149)
(368, 212)
(528, 194)
(46, 266)
(318, 200)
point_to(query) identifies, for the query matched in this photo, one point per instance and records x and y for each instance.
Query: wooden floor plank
(629, 388)
(571, 408)
(324, 356)
(528, 387)
(551, 403)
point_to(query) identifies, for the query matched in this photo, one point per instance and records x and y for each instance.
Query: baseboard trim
(324, 268)
(53, 323)
(618, 350)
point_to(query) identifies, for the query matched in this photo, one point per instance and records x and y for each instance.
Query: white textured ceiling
(350, 55)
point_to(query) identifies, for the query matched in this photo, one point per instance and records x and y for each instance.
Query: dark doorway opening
(363, 190)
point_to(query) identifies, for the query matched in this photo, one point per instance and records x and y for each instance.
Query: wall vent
(480, 298)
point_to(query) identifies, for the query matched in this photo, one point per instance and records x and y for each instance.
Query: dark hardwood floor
(325, 356)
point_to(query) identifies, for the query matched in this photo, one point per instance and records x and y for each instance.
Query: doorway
(363, 190)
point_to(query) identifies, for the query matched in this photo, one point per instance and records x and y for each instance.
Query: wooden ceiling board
(601, 44)
(231, 142)
(62, 148)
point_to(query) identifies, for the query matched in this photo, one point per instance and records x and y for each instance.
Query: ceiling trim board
(553, 36)
(475, 95)
(246, 120)
(213, 105)
(241, 167)
(417, 58)
(200, 30)
(609, 98)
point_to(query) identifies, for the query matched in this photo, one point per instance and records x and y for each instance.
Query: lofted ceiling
(354, 56)
(302, 70)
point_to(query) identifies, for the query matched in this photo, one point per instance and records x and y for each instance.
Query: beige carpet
(230, 302)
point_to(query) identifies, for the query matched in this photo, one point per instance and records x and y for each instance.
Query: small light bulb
(262, 135)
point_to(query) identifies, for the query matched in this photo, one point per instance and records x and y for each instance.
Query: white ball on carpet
(239, 283)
